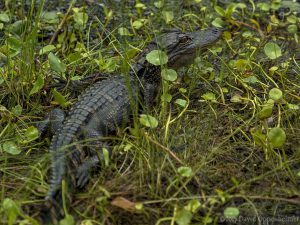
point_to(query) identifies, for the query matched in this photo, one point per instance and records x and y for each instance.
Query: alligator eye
(185, 39)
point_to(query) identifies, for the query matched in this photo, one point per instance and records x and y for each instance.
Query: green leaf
(236, 98)
(38, 84)
(169, 74)
(166, 97)
(148, 121)
(140, 6)
(159, 4)
(182, 90)
(258, 137)
(209, 96)
(17, 110)
(292, 18)
(220, 11)
(50, 17)
(18, 27)
(267, 109)
(181, 102)
(241, 64)
(183, 217)
(293, 29)
(272, 50)
(56, 64)
(264, 6)
(105, 156)
(31, 133)
(157, 57)
(231, 212)
(276, 137)
(12, 210)
(80, 18)
(247, 34)
(14, 43)
(275, 94)
(293, 106)
(11, 148)
(218, 22)
(60, 98)
(4, 17)
(251, 79)
(193, 205)
(185, 171)
(46, 49)
(68, 220)
(123, 31)
(168, 16)
(137, 24)
(139, 206)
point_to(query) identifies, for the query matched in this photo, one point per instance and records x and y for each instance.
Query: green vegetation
(221, 144)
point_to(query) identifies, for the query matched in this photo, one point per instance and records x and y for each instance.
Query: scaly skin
(108, 104)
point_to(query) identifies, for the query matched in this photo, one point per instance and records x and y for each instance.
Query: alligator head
(182, 48)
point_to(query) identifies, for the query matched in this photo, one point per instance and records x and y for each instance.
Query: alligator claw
(82, 177)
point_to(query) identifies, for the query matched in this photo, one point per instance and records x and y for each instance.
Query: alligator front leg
(53, 122)
(83, 172)
(150, 91)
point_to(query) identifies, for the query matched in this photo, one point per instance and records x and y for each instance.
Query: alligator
(109, 104)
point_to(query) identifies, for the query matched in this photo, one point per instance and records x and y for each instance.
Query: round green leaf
(148, 121)
(17, 110)
(80, 18)
(14, 43)
(123, 31)
(267, 109)
(50, 17)
(241, 64)
(236, 98)
(56, 64)
(157, 57)
(209, 96)
(276, 137)
(183, 217)
(11, 148)
(4, 17)
(292, 29)
(137, 24)
(275, 94)
(185, 171)
(31, 133)
(159, 4)
(68, 220)
(193, 205)
(231, 212)
(251, 79)
(181, 102)
(166, 97)
(169, 74)
(272, 50)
